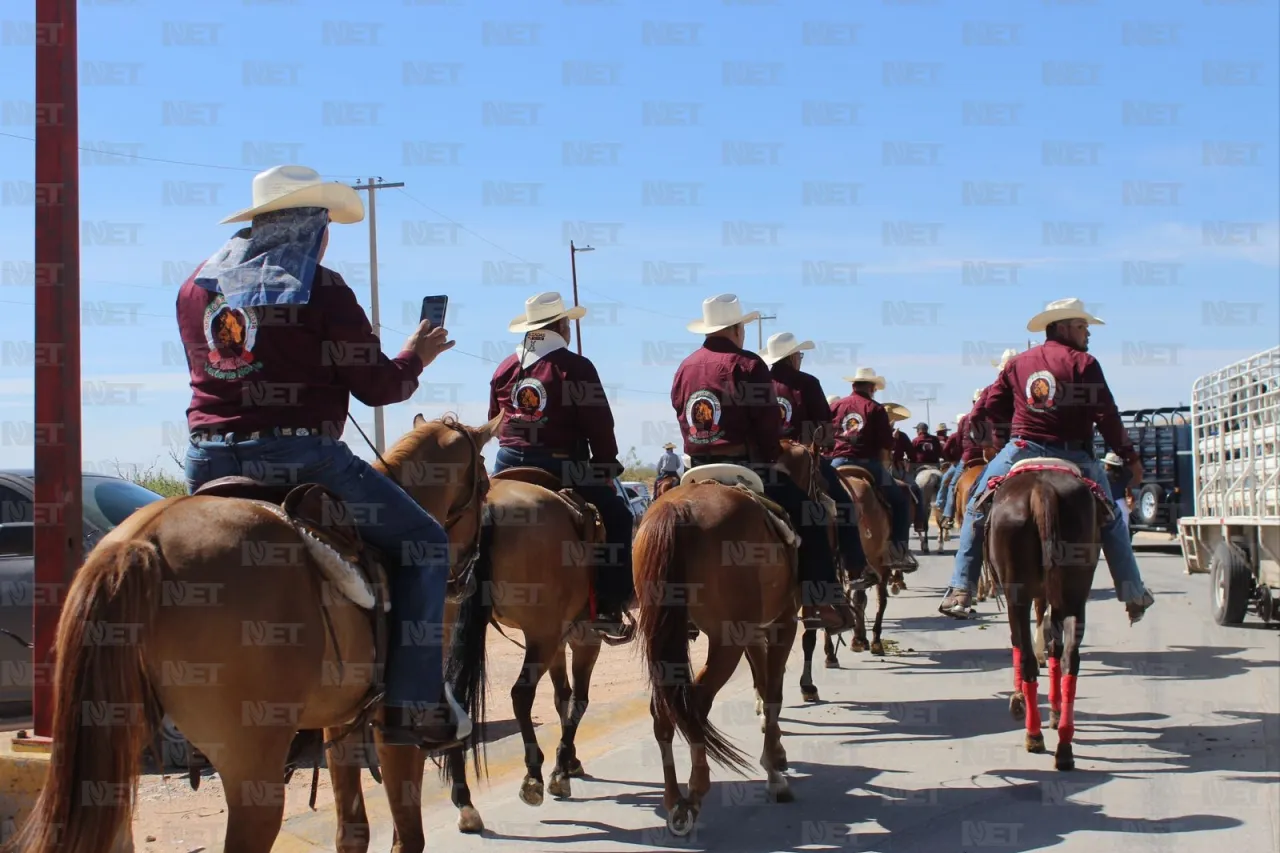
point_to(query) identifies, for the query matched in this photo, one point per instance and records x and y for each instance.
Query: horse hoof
(469, 820)
(760, 707)
(831, 663)
(877, 648)
(1064, 759)
(531, 792)
(576, 770)
(1054, 717)
(680, 821)
(560, 787)
(858, 646)
(810, 693)
(1017, 707)
(895, 589)
(1043, 662)
(1035, 743)
(781, 793)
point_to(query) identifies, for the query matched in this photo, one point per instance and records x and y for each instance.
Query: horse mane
(407, 447)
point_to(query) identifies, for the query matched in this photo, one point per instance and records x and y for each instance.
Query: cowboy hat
(1112, 460)
(897, 412)
(286, 187)
(668, 446)
(977, 394)
(924, 426)
(1004, 358)
(781, 345)
(866, 374)
(1061, 309)
(832, 398)
(961, 415)
(542, 310)
(943, 428)
(721, 312)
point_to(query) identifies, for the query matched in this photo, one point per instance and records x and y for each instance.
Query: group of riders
(262, 314)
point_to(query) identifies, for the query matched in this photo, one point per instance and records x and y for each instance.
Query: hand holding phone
(430, 338)
(434, 309)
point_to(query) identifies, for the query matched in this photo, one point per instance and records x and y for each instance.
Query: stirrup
(624, 636)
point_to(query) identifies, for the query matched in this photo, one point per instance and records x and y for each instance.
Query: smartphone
(433, 309)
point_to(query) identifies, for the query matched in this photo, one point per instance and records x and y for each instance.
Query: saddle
(749, 483)
(1049, 463)
(586, 517)
(863, 474)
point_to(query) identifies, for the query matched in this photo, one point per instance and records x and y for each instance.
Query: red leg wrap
(1067, 724)
(1017, 670)
(1055, 684)
(1029, 689)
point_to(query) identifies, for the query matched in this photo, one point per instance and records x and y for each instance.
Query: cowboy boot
(958, 604)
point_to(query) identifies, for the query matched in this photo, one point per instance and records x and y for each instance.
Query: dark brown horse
(1043, 539)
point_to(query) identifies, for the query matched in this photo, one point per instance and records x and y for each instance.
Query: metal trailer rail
(1235, 532)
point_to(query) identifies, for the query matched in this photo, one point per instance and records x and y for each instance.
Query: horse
(927, 478)
(537, 547)
(1043, 540)
(718, 556)
(664, 484)
(185, 576)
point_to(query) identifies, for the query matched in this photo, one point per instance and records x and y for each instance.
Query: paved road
(1178, 748)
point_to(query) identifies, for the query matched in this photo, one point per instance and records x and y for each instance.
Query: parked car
(635, 501)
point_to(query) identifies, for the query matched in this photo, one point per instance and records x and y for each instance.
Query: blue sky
(905, 183)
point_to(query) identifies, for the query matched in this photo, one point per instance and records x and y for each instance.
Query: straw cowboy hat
(943, 428)
(1004, 359)
(832, 398)
(721, 312)
(668, 446)
(1061, 309)
(897, 412)
(286, 187)
(781, 345)
(1113, 460)
(543, 309)
(866, 374)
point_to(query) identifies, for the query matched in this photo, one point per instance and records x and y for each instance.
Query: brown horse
(664, 484)
(537, 547)
(130, 635)
(712, 554)
(1043, 539)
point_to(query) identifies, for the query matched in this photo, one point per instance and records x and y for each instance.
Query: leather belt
(1071, 446)
(234, 436)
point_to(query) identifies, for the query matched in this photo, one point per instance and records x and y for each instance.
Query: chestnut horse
(1043, 539)
(286, 683)
(710, 553)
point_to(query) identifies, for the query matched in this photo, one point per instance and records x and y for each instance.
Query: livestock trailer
(1162, 440)
(1234, 534)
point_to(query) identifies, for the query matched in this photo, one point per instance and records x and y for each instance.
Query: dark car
(1162, 438)
(107, 501)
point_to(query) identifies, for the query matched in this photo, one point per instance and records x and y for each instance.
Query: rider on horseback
(670, 465)
(959, 449)
(556, 416)
(928, 449)
(806, 418)
(729, 413)
(1051, 396)
(864, 438)
(276, 345)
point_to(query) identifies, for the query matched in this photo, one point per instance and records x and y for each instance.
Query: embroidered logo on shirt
(785, 405)
(851, 424)
(702, 413)
(1041, 391)
(230, 334)
(529, 398)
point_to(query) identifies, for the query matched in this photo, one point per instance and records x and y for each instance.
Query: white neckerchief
(538, 344)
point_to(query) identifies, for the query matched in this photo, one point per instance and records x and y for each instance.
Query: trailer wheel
(1232, 583)
(1147, 504)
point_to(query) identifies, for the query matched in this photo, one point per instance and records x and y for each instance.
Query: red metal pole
(58, 514)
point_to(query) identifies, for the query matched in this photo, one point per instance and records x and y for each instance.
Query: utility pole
(760, 330)
(379, 428)
(573, 267)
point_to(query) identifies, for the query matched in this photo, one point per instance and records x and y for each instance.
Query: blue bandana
(272, 262)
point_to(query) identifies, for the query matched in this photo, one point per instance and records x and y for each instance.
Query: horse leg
(1026, 673)
(1041, 625)
(782, 636)
(756, 664)
(829, 649)
(809, 642)
(522, 696)
(1053, 641)
(859, 643)
(899, 582)
(253, 784)
(572, 709)
(348, 795)
(1073, 634)
(469, 820)
(882, 601)
(664, 731)
(402, 769)
(721, 662)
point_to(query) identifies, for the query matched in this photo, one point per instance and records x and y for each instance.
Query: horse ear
(489, 430)
(418, 420)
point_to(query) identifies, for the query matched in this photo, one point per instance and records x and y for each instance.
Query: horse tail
(1044, 509)
(465, 668)
(86, 804)
(661, 586)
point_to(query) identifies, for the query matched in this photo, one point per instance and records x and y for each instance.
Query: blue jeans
(897, 498)
(945, 496)
(1115, 536)
(386, 517)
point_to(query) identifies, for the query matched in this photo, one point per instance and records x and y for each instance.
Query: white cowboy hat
(543, 309)
(866, 374)
(1113, 460)
(286, 187)
(781, 345)
(961, 415)
(832, 398)
(1062, 309)
(977, 394)
(897, 412)
(1004, 358)
(721, 312)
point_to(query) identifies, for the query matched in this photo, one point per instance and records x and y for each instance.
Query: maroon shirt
(1053, 393)
(286, 365)
(557, 405)
(903, 450)
(803, 406)
(723, 396)
(862, 428)
(928, 449)
(952, 448)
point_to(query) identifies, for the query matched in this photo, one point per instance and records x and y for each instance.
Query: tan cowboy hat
(1062, 309)
(721, 312)
(668, 446)
(287, 187)
(781, 345)
(866, 374)
(942, 428)
(832, 398)
(1004, 359)
(1112, 460)
(543, 309)
(897, 412)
